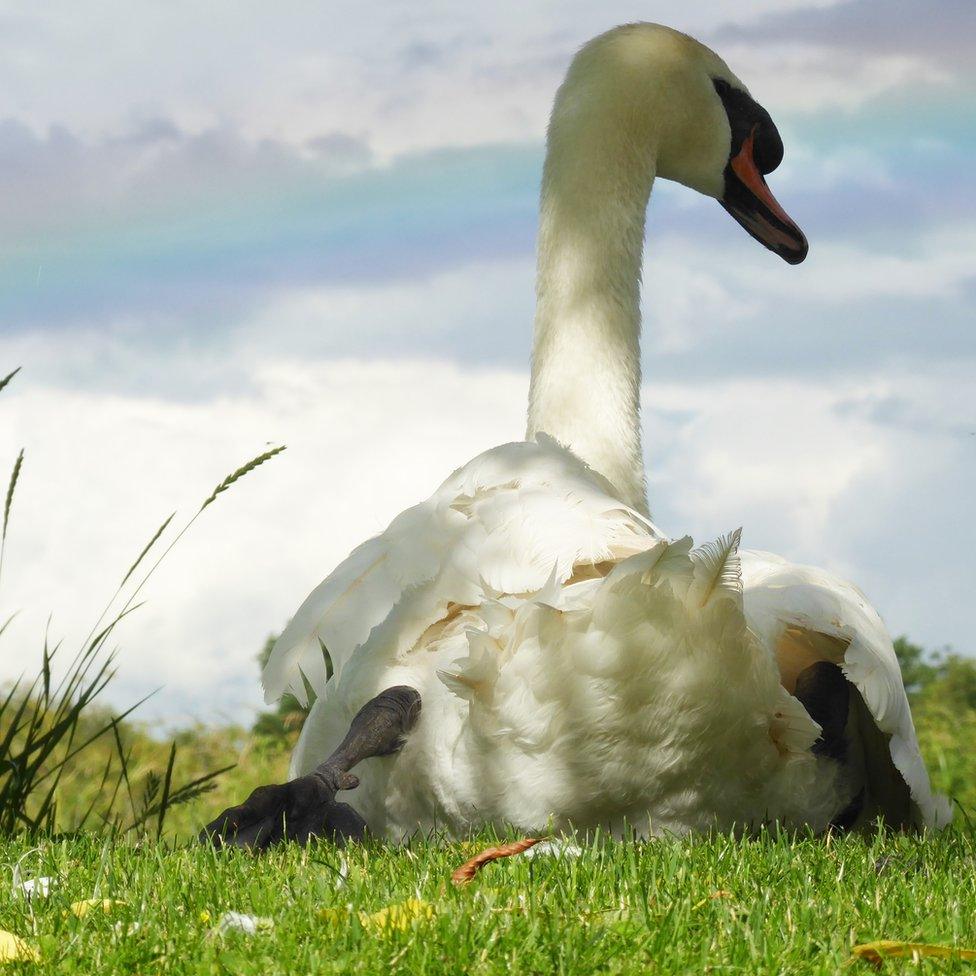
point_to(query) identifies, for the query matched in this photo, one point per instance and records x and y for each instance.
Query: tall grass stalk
(7, 502)
(46, 725)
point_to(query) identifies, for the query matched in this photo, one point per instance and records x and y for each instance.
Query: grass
(770, 905)
(53, 728)
(254, 761)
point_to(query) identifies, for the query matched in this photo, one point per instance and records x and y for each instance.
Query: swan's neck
(586, 373)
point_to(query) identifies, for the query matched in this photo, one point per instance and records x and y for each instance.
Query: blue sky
(313, 223)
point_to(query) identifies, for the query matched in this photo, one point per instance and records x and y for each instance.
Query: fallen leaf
(335, 916)
(876, 952)
(397, 917)
(82, 908)
(466, 872)
(14, 949)
(715, 895)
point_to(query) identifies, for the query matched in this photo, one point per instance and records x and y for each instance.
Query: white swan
(575, 665)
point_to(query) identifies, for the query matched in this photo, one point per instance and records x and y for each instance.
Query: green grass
(86, 800)
(764, 906)
(67, 763)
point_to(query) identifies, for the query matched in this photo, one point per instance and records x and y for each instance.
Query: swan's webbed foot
(306, 807)
(296, 811)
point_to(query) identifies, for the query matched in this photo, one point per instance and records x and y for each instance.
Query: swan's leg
(306, 807)
(825, 694)
(823, 691)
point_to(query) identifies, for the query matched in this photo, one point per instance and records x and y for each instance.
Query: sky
(234, 225)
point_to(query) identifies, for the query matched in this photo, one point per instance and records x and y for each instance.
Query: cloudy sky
(230, 224)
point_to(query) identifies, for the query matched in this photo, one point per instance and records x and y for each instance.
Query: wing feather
(780, 595)
(515, 519)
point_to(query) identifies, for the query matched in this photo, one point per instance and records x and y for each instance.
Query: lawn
(670, 906)
(786, 905)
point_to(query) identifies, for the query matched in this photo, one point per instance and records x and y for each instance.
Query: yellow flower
(82, 908)
(397, 917)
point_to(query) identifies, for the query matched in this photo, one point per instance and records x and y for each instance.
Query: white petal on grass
(554, 848)
(34, 888)
(240, 922)
(31, 887)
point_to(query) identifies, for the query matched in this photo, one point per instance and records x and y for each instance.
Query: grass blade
(8, 622)
(48, 722)
(148, 546)
(8, 378)
(14, 476)
(165, 796)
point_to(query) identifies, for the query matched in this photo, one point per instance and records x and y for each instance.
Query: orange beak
(752, 204)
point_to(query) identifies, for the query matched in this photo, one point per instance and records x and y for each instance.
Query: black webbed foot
(306, 807)
(296, 811)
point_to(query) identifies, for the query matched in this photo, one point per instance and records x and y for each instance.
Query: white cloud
(432, 313)
(859, 26)
(792, 76)
(685, 306)
(451, 74)
(933, 265)
(772, 454)
(867, 475)
(366, 439)
(151, 168)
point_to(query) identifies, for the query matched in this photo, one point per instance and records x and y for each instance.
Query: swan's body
(576, 666)
(578, 669)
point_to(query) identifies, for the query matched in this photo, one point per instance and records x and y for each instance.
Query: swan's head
(678, 103)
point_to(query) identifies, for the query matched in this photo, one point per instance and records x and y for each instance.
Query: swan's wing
(805, 615)
(359, 594)
(512, 520)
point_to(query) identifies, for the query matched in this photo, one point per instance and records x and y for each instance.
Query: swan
(526, 647)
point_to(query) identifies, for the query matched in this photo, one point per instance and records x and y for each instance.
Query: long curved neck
(586, 373)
